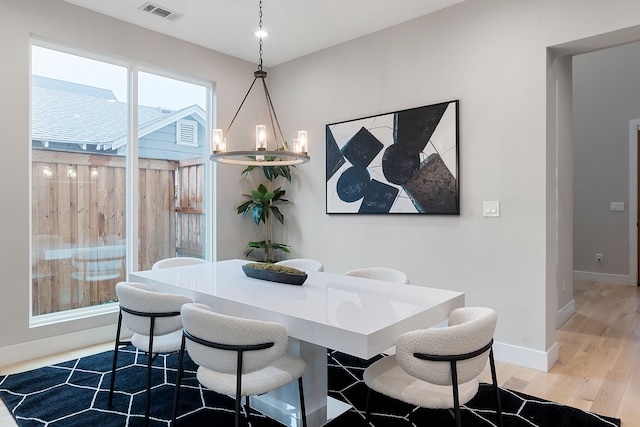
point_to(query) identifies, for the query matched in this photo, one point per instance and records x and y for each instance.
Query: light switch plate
(491, 208)
(617, 206)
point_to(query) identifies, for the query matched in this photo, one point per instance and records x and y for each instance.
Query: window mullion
(132, 184)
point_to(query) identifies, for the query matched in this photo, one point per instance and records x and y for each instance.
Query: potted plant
(262, 206)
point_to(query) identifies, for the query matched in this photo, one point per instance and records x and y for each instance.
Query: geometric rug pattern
(75, 394)
(518, 409)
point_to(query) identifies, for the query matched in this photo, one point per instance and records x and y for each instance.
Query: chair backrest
(470, 329)
(177, 262)
(200, 321)
(380, 273)
(99, 263)
(141, 298)
(304, 264)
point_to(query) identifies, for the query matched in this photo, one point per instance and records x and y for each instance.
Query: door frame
(634, 128)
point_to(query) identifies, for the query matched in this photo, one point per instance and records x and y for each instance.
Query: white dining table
(358, 316)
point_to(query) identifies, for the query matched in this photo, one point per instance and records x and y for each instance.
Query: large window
(81, 151)
(172, 132)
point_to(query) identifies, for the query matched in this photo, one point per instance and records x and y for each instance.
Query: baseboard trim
(565, 313)
(53, 345)
(526, 357)
(619, 279)
(521, 356)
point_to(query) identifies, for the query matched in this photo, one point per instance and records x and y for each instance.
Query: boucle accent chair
(96, 264)
(380, 273)
(154, 319)
(304, 264)
(237, 356)
(177, 262)
(438, 368)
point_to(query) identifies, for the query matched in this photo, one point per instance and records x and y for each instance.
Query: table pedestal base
(290, 416)
(284, 404)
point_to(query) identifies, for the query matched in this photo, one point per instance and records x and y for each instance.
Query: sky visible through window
(154, 90)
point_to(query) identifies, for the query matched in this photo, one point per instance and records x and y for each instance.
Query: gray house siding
(161, 144)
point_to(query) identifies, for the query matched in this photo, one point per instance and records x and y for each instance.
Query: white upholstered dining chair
(154, 318)
(380, 273)
(237, 357)
(305, 264)
(98, 263)
(97, 269)
(177, 262)
(438, 368)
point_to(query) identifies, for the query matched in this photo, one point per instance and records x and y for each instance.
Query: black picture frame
(403, 162)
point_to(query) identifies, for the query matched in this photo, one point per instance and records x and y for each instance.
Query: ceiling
(296, 27)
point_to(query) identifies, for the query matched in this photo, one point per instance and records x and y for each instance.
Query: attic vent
(160, 11)
(187, 132)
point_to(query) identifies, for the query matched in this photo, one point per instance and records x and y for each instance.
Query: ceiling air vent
(160, 11)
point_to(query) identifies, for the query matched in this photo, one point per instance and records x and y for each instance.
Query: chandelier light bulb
(261, 137)
(302, 142)
(219, 141)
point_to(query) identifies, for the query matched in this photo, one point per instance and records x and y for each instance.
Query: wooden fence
(190, 227)
(79, 201)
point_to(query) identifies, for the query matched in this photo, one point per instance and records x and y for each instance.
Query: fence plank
(189, 211)
(85, 209)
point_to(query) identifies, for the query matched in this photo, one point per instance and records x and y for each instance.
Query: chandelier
(280, 154)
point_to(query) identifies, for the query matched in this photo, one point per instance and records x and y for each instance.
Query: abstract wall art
(400, 162)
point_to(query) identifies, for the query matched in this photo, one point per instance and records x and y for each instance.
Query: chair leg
(237, 408)
(367, 410)
(496, 390)
(238, 387)
(456, 409)
(303, 411)
(115, 359)
(150, 361)
(456, 398)
(248, 409)
(174, 412)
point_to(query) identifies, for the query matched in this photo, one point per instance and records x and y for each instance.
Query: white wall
(63, 23)
(606, 97)
(492, 56)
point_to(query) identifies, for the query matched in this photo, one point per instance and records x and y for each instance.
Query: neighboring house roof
(145, 127)
(91, 118)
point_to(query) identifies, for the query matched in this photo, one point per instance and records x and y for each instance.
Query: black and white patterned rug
(75, 393)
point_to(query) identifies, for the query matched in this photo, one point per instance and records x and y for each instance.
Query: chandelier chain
(260, 25)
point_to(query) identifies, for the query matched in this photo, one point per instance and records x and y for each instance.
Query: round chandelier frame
(261, 156)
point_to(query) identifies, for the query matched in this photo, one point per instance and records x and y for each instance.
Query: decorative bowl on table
(274, 273)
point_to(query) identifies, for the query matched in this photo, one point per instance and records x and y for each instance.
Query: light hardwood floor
(598, 369)
(599, 363)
